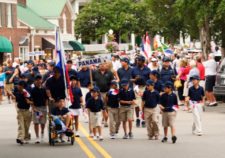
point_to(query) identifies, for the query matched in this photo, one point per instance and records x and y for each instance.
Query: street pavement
(210, 145)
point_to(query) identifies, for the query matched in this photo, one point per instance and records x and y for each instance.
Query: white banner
(36, 53)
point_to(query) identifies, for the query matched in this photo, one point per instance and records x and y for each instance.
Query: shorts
(126, 114)
(210, 83)
(168, 119)
(76, 112)
(40, 117)
(96, 119)
(9, 87)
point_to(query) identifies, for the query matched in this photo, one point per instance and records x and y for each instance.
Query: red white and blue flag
(146, 46)
(61, 63)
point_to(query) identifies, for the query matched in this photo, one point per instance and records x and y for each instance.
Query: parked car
(219, 88)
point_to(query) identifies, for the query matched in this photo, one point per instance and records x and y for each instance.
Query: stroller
(56, 129)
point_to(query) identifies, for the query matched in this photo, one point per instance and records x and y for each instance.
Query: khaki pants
(114, 121)
(152, 122)
(24, 120)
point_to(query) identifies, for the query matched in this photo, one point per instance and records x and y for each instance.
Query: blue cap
(168, 84)
(37, 77)
(73, 77)
(195, 77)
(113, 83)
(155, 73)
(140, 81)
(125, 60)
(150, 82)
(22, 83)
(30, 62)
(166, 59)
(124, 82)
(95, 89)
(141, 58)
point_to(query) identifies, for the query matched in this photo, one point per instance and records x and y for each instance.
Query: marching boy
(23, 113)
(95, 106)
(168, 105)
(127, 98)
(75, 108)
(150, 100)
(196, 98)
(39, 107)
(112, 98)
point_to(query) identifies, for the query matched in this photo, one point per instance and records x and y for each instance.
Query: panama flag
(60, 62)
(146, 46)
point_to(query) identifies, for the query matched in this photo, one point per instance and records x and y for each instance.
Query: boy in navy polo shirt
(127, 98)
(168, 105)
(23, 113)
(39, 107)
(196, 98)
(150, 100)
(112, 98)
(87, 97)
(95, 106)
(75, 108)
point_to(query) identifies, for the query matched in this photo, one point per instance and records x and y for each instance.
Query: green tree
(122, 16)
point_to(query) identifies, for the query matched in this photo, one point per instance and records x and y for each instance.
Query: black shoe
(143, 124)
(130, 135)
(138, 123)
(19, 141)
(164, 139)
(174, 139)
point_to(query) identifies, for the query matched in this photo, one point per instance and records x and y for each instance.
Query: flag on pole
(146, 46)
(61, 64)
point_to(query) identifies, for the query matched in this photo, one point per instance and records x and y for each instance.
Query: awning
(5, 45)
(67, 46)
(77, 46)
(48, 43)
(23, 41)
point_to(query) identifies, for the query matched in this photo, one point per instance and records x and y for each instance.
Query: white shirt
(210, 67)
(116, 65)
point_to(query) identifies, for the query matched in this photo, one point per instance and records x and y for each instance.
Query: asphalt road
(210, 145)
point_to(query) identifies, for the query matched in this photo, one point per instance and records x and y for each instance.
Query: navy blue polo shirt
(21, 99)
(47, 75)
(87, 97)
(166, 74)
(124, 74)
(196, 94)
(126, 95)
(144, 72)
(39, 96)
(56, 87)
(84, 77)
(95, 105)
(151, 99)
(158, 86)
(113, 98)
(77, 94)
(168, 101)
(59, 112)
(72, 72)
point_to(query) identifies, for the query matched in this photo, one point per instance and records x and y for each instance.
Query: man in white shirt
(210, 75)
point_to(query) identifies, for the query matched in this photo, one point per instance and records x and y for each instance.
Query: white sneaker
(112, 136)
(77, 134)
(42, 137)
(37, 141)
(100, 138)
(94, 138)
